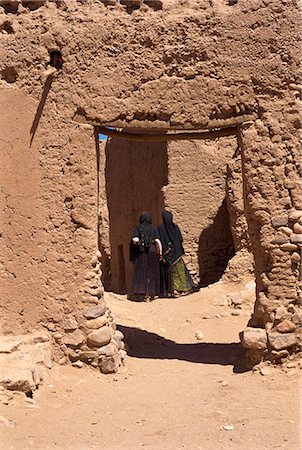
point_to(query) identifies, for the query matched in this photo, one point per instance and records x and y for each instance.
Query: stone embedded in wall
(286, 326)
(74, 339)
(279, 221)
(296, 238)
(288, 247)
(282, 341)
(295, 215)
(296, 257)
(97, 323)
(99, 337)
(254, 338)
(95, 312)
(92, 337)
(70, 324)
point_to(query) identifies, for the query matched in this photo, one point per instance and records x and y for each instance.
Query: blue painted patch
(102, 137)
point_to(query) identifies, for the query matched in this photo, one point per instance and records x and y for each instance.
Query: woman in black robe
(144, 253)
(174, 275)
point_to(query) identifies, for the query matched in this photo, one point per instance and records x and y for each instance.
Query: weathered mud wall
(196, 193)
(202, 66)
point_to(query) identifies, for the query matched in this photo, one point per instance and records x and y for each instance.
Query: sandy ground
(173, 393)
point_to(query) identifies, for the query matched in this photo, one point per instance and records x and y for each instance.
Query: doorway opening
(135, 174)
(187, 177)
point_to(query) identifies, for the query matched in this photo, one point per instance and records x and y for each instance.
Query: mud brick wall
(205, 65)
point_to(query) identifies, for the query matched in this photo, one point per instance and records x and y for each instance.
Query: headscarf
(171, 239)
(146, 233)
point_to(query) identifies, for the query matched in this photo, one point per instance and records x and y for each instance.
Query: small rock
(280, 354)
(286, 326)
(95, 312)
(296, 238)
(99, 322)
(37, 374)
(227, 427)
(289, 247)
(100, 337)
(117, 343)
(78, 364)
(17, 379)
(291, 308)
(123, 355)
(236, 299)
(282, 341)
(108, 350)
(89, 275)
(9, 344)
(70, 324)
(286, 230)
(63, 360)
(279, 221)
(280, 240)
(88, 355)
(74, 339)
(235, 313)
(94, 292)
(199, 335)
(118, 335)
(297, 228)
(94, 261)
(295, 215)
(254, 338)
(265, 371)
(98, 254)
(57, 336)
(295, 257)
(109, 364)
(281, 311)
(297, 317)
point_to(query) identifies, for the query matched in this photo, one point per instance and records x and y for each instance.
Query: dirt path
(173, 393)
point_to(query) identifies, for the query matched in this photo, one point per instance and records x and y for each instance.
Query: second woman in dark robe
(175, 277)
(145, 252)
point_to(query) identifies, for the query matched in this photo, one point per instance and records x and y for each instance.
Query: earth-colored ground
(173, 393)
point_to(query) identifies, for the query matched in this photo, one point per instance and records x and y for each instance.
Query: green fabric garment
(179, 279)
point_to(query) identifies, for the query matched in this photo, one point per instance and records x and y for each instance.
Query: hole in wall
(9, 74)
(7, 27)
(56, 59)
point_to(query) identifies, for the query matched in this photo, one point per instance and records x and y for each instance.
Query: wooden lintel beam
(168, 136)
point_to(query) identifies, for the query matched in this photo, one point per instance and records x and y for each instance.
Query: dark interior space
(135, 173)
(216, 247)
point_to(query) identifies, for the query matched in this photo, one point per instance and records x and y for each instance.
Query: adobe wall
(198, 193)
(203, 66)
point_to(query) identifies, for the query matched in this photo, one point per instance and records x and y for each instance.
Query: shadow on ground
(144, 344)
